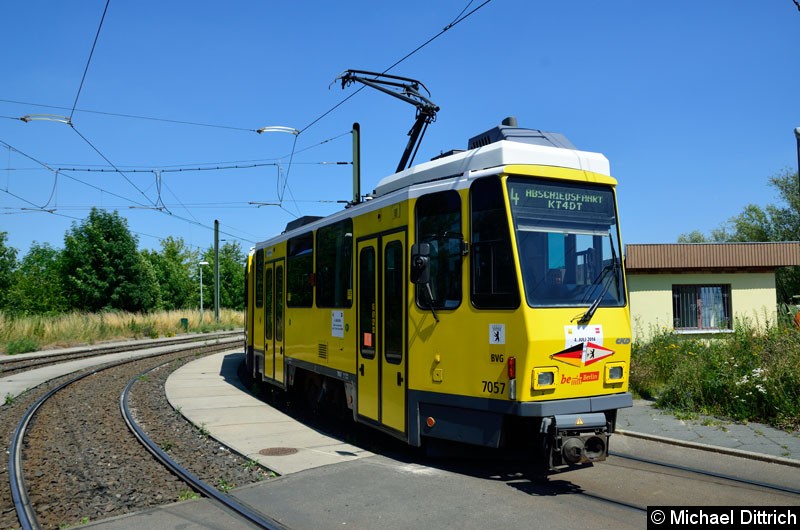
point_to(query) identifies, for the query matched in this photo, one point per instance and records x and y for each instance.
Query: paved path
(208, 393)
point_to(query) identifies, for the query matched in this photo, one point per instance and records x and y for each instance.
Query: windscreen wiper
(613, 266)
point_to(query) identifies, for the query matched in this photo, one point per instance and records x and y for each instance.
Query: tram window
(268, 315)
(393, 282)
(279, 303)
(299, 270)
(334, 275)
(493, 278)
(366, 302)
(567, 240)
(259, 279)
(439, 224)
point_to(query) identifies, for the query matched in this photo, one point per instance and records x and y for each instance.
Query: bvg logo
(624, 340)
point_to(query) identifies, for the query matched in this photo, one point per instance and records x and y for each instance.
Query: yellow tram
(479, 297)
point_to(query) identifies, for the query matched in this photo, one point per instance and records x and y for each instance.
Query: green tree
(231, 277)
(37, 287)
(695, 236)
(773, 223)
(102, 269)
(172, 267)
(752, 225)
(8, 263)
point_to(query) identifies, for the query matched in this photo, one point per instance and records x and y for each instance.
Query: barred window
(701, 307)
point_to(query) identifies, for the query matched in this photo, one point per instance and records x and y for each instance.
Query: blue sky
(693, 102)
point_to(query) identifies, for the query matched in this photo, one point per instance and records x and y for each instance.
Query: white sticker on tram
(497, 333)
(580, 334)
(337, 324)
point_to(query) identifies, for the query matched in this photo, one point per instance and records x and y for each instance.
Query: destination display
(535, 198)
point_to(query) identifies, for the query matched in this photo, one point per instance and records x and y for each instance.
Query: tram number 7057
(493, 387)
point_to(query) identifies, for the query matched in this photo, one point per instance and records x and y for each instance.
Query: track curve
(225, 500)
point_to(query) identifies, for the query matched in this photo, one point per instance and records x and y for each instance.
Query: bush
(749, 375)
(22, 345)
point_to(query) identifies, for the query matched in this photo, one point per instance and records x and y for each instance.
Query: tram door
(382, 330)
(273, 321)
(257, 322)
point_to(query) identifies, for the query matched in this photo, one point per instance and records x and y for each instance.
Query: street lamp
(200, 266)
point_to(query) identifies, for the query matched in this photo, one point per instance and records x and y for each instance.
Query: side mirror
(420, 263)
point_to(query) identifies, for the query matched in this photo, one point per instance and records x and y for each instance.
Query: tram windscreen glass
(568, 242)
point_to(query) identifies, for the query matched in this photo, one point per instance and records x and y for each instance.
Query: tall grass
(31, 333)
(749, 375)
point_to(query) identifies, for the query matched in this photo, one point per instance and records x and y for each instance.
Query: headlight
(615, 373)
(544, 378)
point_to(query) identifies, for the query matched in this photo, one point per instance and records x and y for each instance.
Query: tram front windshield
(568, 243)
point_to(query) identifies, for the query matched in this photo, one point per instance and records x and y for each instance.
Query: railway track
(693, 480)
(13, 364)
(712, 474)
(621, 489)
(190, 478)
(73, 443)
(652, 482)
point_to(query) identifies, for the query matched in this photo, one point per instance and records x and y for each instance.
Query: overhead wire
(89, 60)
(255, 237)
(136, 203)
(452, 24)
(52, 191)
(121, 115)
(163, 170)
(456, 21)
(175, 169)
(8, 167)
(84, 138)
(63, 172)
(449, 26)
(35, 208)
(286, 179)
(75, 104)
(282, 190)
(228, 165)
(159, 205)
(104, 157)
(177, 199)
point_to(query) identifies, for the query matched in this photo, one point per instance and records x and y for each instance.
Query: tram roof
(497, 154)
